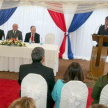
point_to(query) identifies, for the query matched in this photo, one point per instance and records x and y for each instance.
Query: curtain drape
(5, 14)
(81, 39)
(70, 54)
(78, 20)
(59, 20)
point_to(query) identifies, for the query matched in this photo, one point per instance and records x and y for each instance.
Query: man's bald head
(15, 27)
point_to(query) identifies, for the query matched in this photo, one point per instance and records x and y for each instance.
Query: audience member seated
(73, 72)
(37, 68)
(98, 106)
(100, 83)
(24, 102)
(14, 33)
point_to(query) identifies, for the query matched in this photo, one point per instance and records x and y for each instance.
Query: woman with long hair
(73, 72)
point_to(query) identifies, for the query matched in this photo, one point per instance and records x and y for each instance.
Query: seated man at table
(1, 34)
(14, 33)
(37, 68)
(35, 37)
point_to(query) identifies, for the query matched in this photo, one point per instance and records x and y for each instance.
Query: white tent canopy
(62, 6)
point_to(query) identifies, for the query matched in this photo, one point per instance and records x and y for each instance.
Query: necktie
(14, 32)
(32, 38)
(105, 28)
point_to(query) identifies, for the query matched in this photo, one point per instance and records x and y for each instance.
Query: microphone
(96, 29)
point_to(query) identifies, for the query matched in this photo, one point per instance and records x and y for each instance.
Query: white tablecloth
(11, 57)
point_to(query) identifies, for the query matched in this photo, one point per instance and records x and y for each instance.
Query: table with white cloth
(11, 57)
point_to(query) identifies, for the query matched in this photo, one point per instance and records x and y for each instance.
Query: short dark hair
(31, 27)
(37, 54)
(106, 18)
(73, 72)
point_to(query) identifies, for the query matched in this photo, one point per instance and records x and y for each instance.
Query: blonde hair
(24, 102)
(98, 106)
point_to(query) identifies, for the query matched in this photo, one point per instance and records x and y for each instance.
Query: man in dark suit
(37, 68)
(14, 33)
(2, 34)
(35, 37)
(103, 30)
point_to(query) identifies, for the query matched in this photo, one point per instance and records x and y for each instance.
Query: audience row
(73, 72)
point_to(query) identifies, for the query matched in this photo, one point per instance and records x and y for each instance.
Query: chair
(104, 96)
(74, 95)
(35, 86)
(50, 38)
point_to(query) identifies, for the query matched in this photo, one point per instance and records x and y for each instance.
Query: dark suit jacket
(45, 72)
(36, 37)
(1, 34)
(18, 33)
(102, 31)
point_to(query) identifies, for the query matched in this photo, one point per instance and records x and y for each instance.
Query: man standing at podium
(103, 30)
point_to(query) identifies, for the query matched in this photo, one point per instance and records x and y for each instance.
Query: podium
(98, 57)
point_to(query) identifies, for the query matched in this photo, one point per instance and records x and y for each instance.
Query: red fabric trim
(59, 20)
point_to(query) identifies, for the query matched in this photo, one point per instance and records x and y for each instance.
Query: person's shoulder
(99, 79)
(28, 33)
(59, 81)
(10, 31)
(1, 30)
(102, 26)
(24, 66)
(47, 69)
(19, 31)
(37, 34)
(104, 76)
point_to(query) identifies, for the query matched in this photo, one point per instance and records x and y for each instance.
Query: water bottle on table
(30, 40)
(17, 38)
(2, 37)
(41, 43)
